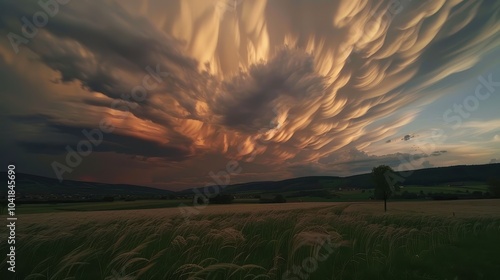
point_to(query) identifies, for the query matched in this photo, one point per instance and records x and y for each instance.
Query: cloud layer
(281, 83)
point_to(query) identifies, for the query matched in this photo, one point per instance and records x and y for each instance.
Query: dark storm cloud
(93, 77)
(105, 28)
(320, 77)
(252, 98)
(407, 137)
(111, 142)
(90, 48)
(438, 153)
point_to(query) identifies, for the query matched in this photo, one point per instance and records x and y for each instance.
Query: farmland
(414, 240)
(356, 195)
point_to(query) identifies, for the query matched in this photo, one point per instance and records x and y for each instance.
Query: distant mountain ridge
(38, 185)
(427, 176)
(27, 184)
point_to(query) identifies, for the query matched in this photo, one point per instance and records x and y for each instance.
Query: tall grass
(258, 246)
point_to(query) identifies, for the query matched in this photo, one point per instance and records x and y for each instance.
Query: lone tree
(383, 188)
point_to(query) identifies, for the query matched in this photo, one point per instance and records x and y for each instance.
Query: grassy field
(445, 189)
(357, 195)
(414, 240)
(344, 196)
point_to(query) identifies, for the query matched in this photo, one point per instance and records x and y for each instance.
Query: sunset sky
(278, 88)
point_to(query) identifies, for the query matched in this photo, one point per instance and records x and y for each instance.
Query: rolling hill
(425, 177)
(38, 185)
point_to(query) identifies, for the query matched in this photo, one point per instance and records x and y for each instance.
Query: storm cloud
(292, 83)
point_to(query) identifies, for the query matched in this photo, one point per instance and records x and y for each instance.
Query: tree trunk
(385, 205)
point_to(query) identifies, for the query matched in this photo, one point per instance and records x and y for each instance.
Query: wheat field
(314, 241)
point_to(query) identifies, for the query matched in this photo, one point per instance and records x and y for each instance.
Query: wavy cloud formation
(292, 83)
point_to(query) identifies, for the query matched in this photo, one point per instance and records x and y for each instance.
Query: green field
(360, 195)
(414, 240)
(446, 189)
(343, 196)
